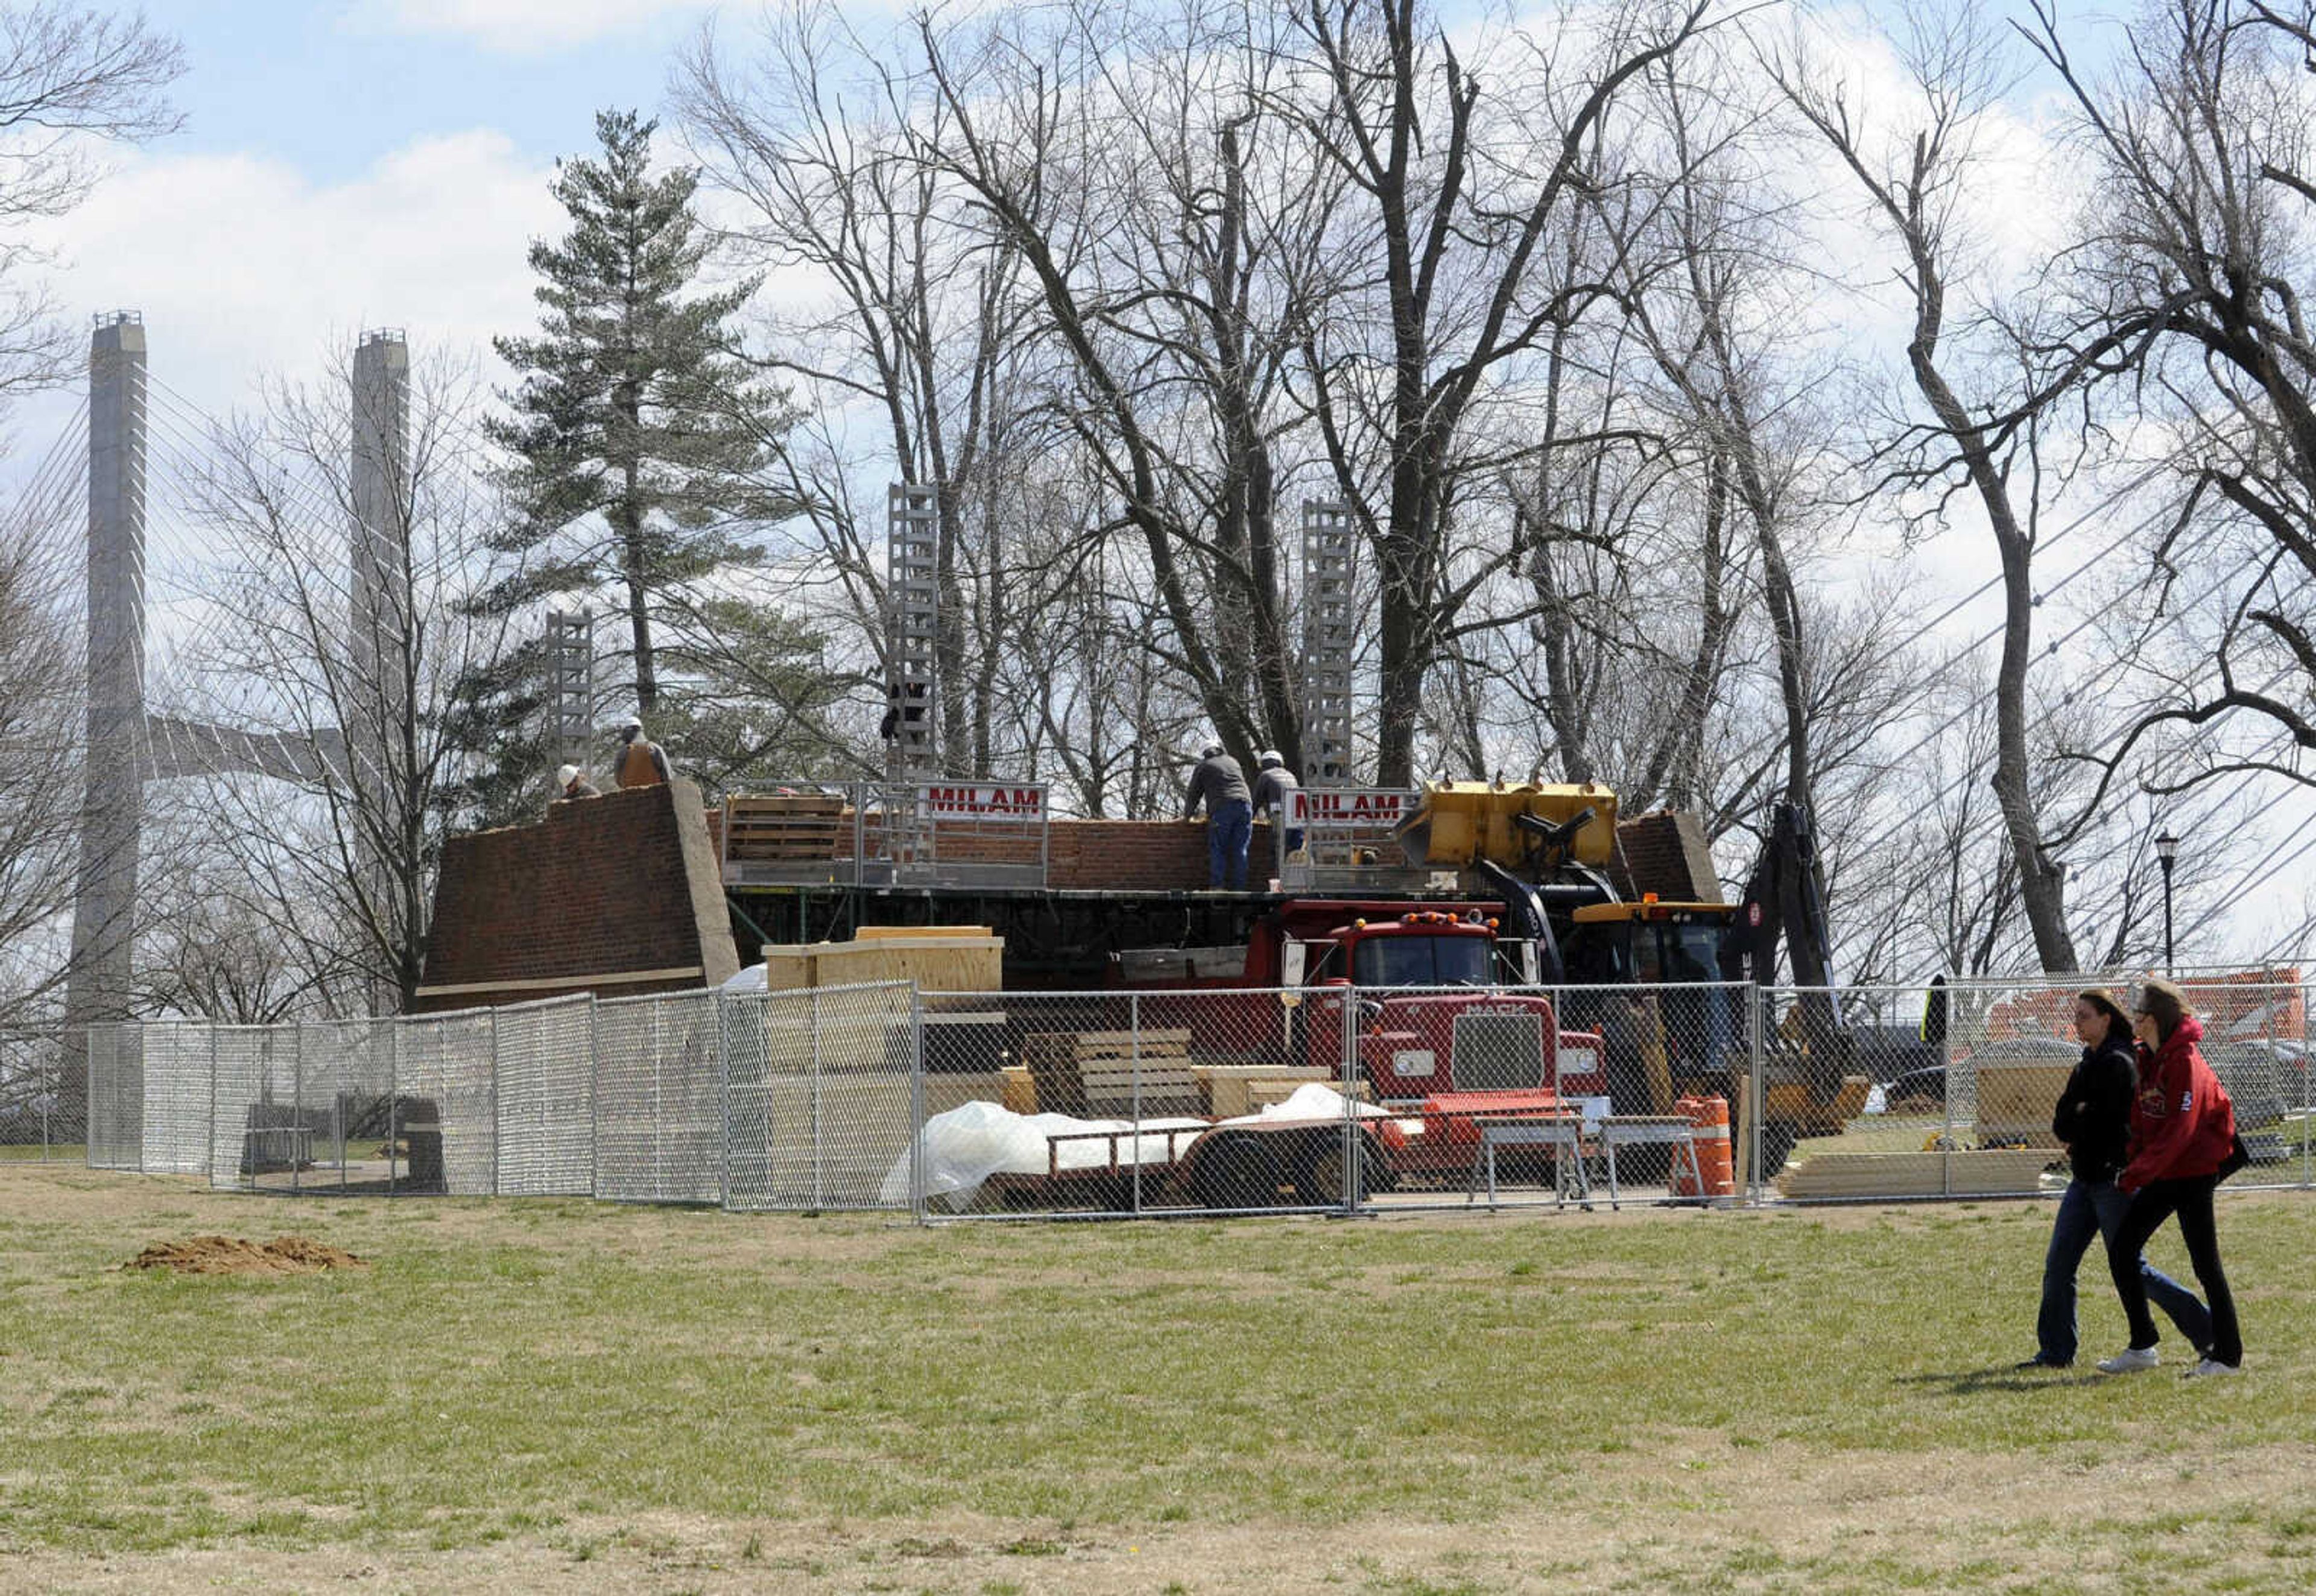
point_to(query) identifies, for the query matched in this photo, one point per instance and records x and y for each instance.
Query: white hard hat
(632, 723)
(1270, 757)
(1210, 750)
(565, 775)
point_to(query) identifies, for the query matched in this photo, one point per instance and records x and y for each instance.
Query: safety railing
(987, 834)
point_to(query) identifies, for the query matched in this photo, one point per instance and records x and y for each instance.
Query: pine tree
(638, 434)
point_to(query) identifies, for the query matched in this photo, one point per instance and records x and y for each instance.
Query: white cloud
(520, 27)
(242, 266)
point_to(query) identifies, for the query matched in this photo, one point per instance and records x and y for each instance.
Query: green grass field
(528, 1393)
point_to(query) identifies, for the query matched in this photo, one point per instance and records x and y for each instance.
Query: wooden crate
(1228, 1087)
(936, 963)
(1020, 1092)
(1985, 1171)
(2015, 1102)
(787, 967)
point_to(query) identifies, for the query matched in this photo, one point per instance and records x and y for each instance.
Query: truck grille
(1498, 1053)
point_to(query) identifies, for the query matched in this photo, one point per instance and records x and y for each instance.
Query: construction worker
(639, 762)
(572, 783)
(1220, 785)
(1274, 789)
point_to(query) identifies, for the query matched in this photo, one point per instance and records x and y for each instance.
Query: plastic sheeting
(965, 1147)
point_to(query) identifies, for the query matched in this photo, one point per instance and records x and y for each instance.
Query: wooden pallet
(1101, 1073)
(806, 826)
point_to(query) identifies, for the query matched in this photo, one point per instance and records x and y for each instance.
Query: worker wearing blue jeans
(2093, 1121)
(1221, 787)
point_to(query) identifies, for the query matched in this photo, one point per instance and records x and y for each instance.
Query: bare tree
(1915, 180)
(71, 78)
(40, 711)
(339, 794)
(923, 325)
(1460, 188)
(2185, 298)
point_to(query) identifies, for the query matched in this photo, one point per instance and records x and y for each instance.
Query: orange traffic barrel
(1714, 1160)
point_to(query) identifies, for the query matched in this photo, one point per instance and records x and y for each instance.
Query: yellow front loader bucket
(1463, 822)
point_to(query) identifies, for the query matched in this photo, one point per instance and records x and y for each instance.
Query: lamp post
(2167, 850)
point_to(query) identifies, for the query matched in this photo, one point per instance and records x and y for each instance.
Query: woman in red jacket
(2182, 1130)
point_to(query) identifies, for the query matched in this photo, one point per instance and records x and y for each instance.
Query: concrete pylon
(376, 704)
(380, 622)
(99, 986)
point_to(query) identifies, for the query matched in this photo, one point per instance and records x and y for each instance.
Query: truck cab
(1418, 1039)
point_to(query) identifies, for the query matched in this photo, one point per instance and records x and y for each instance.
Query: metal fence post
(1756, 1093)
(594, 1098)
(393, 1105)
(1947, 1135)
(1134, 1047)
(1349, 1038)
(916, 1098)
(497, 1129)
(818, 1153)
(297, 1105)
(723, 1098)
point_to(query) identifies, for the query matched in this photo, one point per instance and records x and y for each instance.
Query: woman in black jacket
(2093, 1121)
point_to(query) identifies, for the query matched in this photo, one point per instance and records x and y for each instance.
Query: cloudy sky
(356, 163)
(347, 165)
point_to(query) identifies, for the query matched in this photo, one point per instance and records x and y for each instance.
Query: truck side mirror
(1934, 1016)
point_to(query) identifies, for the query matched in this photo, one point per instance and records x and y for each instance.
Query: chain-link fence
(1962, 1080)
(821, 1094)
(1323, 1098)
(43, 1096)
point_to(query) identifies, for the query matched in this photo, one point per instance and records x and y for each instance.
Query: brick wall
(601, 887)
(1665, 853)
(1144, 856)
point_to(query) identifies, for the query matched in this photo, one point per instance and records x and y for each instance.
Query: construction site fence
(1329, 1098)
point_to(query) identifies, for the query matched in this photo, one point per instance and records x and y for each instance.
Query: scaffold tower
(1327, 640)
(571, 683)
(913, 623)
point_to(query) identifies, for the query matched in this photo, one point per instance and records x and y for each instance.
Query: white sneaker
(2130, 1361)
(2214, 1366)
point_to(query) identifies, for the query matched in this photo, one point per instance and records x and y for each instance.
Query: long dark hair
(2118, 1023)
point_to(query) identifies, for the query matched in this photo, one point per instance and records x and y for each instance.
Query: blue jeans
(1230, 828)
(2095, 1208)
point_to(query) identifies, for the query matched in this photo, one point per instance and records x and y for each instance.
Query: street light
(2167, 850)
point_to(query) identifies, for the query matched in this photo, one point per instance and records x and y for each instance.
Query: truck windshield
(1422, 961)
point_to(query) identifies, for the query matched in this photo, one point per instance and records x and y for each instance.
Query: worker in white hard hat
(571, 782)
(639, 763)
(1274, 793)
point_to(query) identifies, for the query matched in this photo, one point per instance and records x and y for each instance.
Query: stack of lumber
(938, 958)
(800, 826)
(1988, 1172)
(1107, 1075)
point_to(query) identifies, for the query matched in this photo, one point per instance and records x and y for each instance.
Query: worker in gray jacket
(1220, 785)
(1274, 791)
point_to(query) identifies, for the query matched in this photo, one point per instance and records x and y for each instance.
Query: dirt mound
(229, 1254)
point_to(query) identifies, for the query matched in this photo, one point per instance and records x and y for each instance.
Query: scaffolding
(1327, 637)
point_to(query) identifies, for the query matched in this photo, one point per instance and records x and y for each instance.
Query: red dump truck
(1378, 979)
